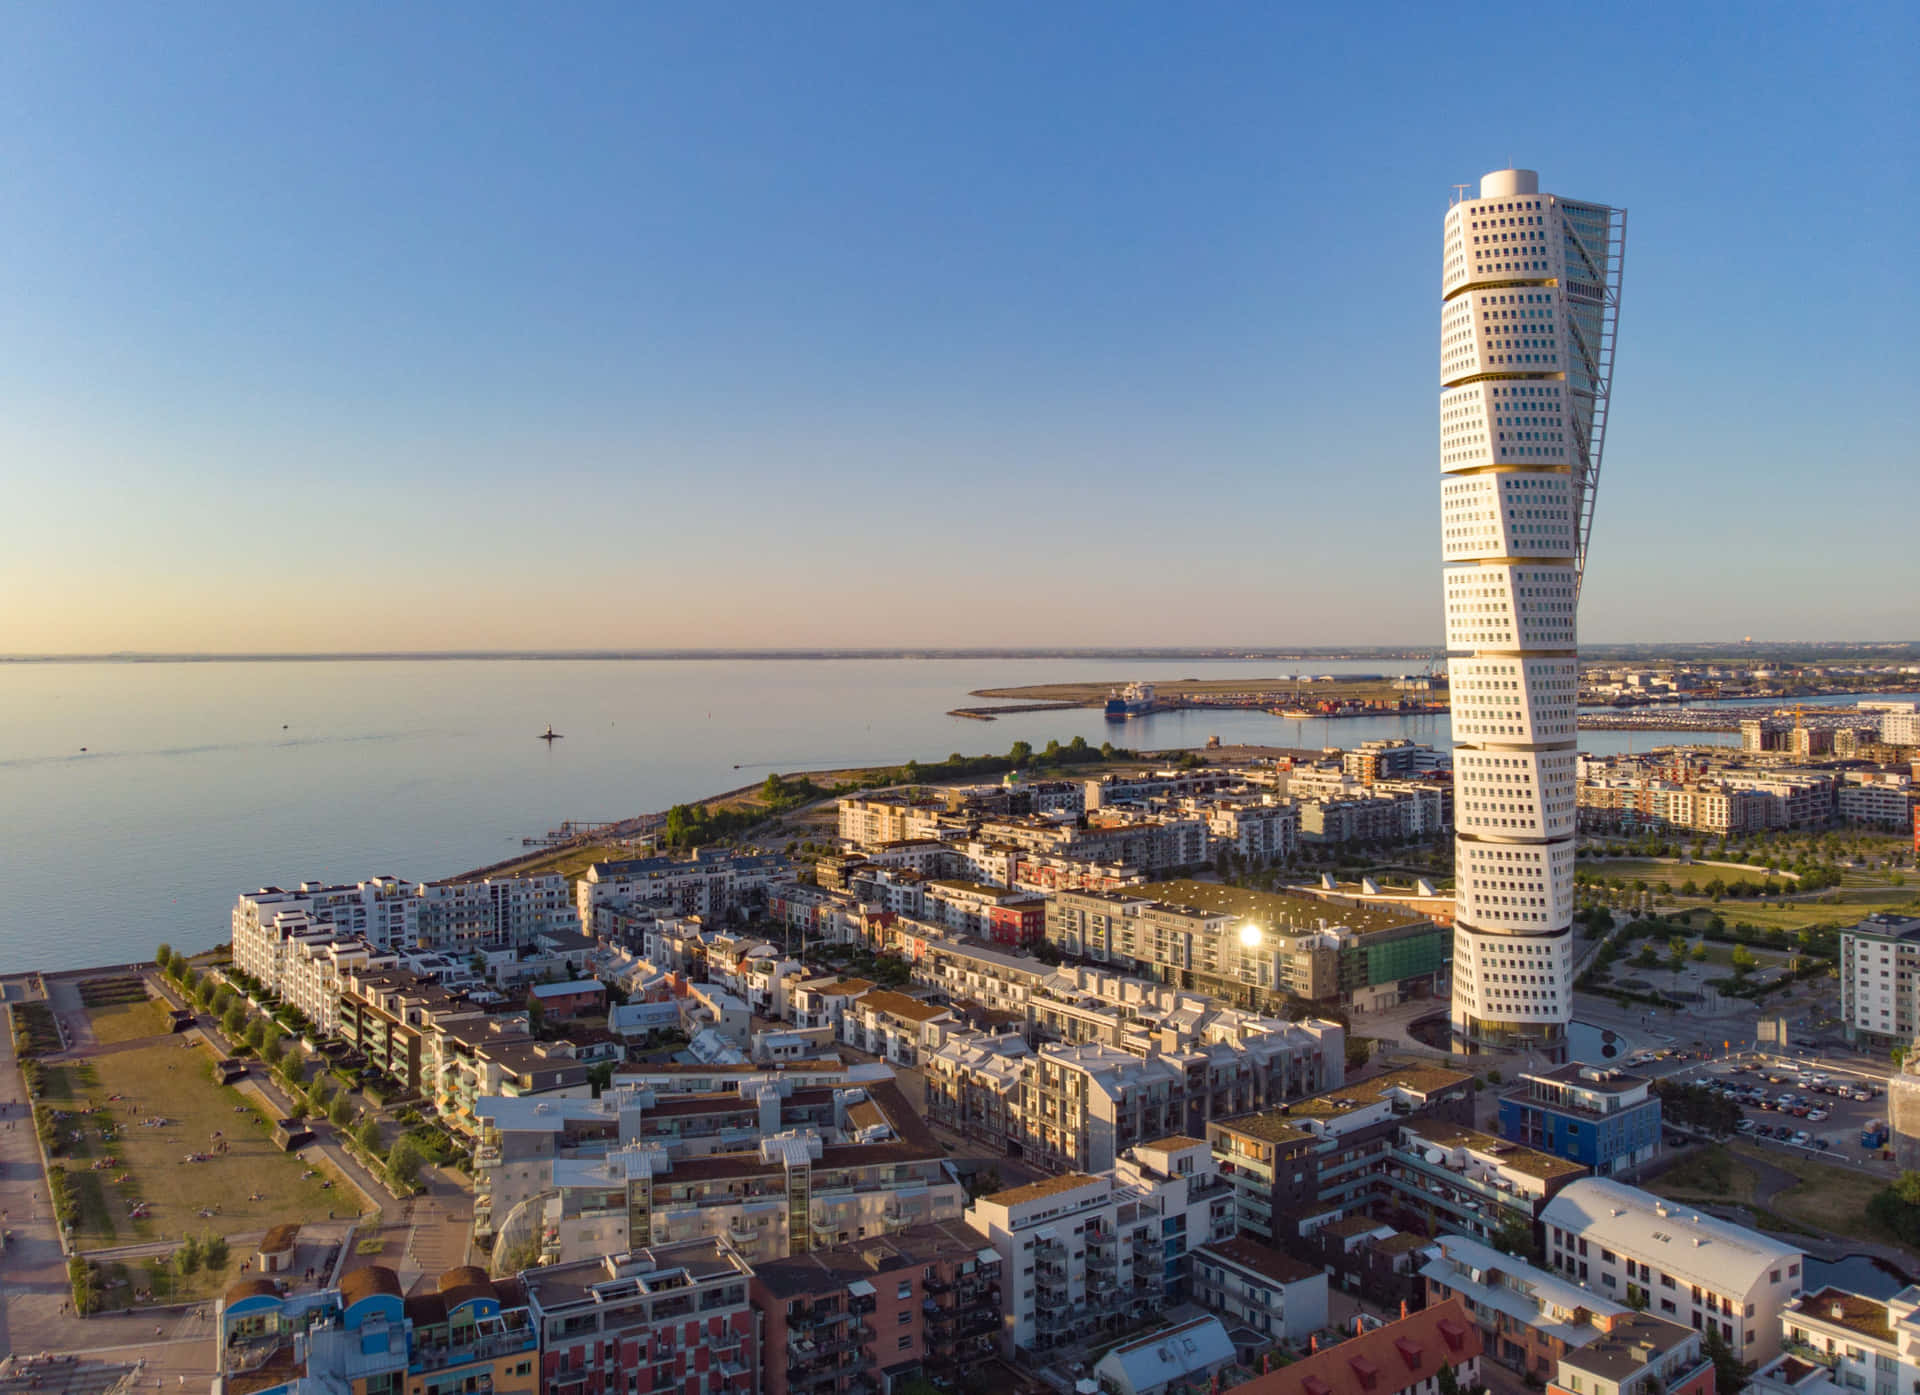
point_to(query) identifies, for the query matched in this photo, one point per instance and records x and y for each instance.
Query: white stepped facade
(1531, 287)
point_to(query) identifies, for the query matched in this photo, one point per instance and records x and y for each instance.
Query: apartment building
(465, 1332)
(900, 1030)
(1876, 798)
(921, 1303)
(1835, 1341)
(894, 816)
(494, 912)
(1604, 1119)
(1258, 832)
(1880, 979)
(1253, 949)
(1085, 1253)
(1639, 1352)
(383, 911)
(841, 1167)
(1693, 1269)
(1528, 1317)
(1319, 1160)
(1261, 1289)
(713, 883)
(662, 1317)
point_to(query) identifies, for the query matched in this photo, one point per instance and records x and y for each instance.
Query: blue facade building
(1602, 1118)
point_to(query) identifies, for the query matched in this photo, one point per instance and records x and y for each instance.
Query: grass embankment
(1823, 1200)
(118, 1165)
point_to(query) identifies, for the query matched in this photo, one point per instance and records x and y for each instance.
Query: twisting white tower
(1531, 296)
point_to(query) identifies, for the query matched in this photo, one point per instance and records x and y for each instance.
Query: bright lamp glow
(1249, 934)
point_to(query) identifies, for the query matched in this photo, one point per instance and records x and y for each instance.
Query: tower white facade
(1530, 299)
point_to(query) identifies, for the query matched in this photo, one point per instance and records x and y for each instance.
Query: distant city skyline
(431, 330)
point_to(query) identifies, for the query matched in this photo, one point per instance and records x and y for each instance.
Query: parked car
(1815, 1116)
(1821, 1144)
(1802, 1138)
(1745, 1126)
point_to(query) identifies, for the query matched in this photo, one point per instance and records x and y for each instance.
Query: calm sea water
(201, 780)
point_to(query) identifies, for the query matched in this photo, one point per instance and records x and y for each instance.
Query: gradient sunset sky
(343, 326)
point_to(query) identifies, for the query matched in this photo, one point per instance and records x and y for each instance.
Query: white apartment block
(1880, 979)
(1884, 801)
(1530, 296)
(1084, 1251)
(1900, 725)
(1254, 833)
(900, 1030)
(384, 911)
(1838, 1342)
(1692, 1269)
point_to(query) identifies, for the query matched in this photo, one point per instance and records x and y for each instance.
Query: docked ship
(1134, 700)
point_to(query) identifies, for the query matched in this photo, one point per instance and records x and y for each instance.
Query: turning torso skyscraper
(1530, 299)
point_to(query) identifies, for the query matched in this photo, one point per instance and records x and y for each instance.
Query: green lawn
(1660, 872)
(120, 1022)
(1827, 1199)
(1831, 908)
(172, 1081)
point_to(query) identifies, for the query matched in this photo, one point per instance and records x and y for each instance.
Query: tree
(340, 1112)
(1743, 961)
(1729, 1372)
(367, 1135)
(403, 1163)
(257, 1033)
(163, 956)
(1699, 952)
(600, 1076)
(1021, 753)
(186, 1258)
(272, 1048)
(234, 1019)
(213, 1250)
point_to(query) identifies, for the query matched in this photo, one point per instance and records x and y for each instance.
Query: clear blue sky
(351, 326)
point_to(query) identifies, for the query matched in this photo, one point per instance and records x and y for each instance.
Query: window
(902, 1319)
(906, 1342)
(905, 1290)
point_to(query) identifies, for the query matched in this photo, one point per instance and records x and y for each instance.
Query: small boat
(550, 735)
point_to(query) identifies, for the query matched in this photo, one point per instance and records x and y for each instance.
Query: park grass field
(1827, 1199)
(168, 1079)
(1824, 1199)
(1660, 872)
(1711, 1174)
(1830, 908)
(118, 1022)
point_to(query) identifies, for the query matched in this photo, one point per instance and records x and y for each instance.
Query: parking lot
(1807, 1111)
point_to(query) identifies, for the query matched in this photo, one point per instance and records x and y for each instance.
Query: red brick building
(668, 1318)
(858, 1319)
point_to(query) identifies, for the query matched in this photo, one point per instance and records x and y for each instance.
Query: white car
(1745, 1125)
(1802, 1138)
(1814, 1116)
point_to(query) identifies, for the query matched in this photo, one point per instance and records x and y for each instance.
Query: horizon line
(1218, 652)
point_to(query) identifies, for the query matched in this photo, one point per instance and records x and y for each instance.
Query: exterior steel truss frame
(1611, 261)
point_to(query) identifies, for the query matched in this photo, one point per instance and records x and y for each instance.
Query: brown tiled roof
(1393, 1357)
